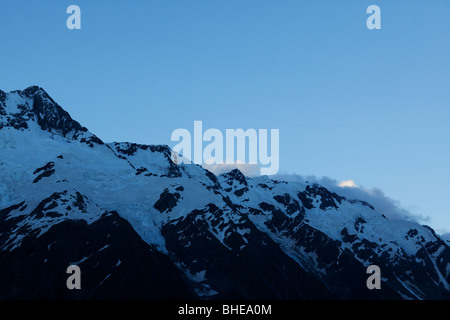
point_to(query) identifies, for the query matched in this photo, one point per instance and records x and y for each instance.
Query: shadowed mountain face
(141, 227)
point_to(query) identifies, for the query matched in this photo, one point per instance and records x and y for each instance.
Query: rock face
(141, 227)
(115, 264)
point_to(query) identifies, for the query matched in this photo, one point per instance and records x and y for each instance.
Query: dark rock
(167, 201)
(127, 268)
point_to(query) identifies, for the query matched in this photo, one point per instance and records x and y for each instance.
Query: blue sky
(372, 106)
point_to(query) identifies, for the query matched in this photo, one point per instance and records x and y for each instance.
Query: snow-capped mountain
(140, 226)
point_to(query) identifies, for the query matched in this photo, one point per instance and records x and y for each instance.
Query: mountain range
(142, 227)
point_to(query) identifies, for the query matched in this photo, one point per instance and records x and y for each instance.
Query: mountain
(141, 227)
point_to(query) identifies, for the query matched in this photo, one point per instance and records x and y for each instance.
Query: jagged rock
(142, 227)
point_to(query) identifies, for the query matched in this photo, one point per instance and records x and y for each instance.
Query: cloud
(347, 184)
(348, 188)
(391, 208)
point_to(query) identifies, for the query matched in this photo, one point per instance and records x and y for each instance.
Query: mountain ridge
(215, 237)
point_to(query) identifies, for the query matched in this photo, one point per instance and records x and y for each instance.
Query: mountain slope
(140, 226)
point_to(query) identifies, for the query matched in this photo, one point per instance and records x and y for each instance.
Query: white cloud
(389, 207)
(347, 184)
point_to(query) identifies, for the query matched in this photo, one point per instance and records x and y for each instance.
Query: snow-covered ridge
(52, 169)
(19, 108)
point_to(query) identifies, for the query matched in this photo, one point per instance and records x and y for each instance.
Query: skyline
(371, 106)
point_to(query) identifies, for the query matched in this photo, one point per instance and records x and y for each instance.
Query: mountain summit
(21, 109)
(141, 227)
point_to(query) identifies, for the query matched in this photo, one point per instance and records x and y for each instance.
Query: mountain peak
(234, 175)
(32, 90)
(29, 92)
(20, 107)
(225, 237)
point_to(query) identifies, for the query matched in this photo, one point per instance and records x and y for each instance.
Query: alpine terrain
(142, 227)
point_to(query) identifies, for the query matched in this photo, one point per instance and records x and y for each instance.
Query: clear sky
(371, 106)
